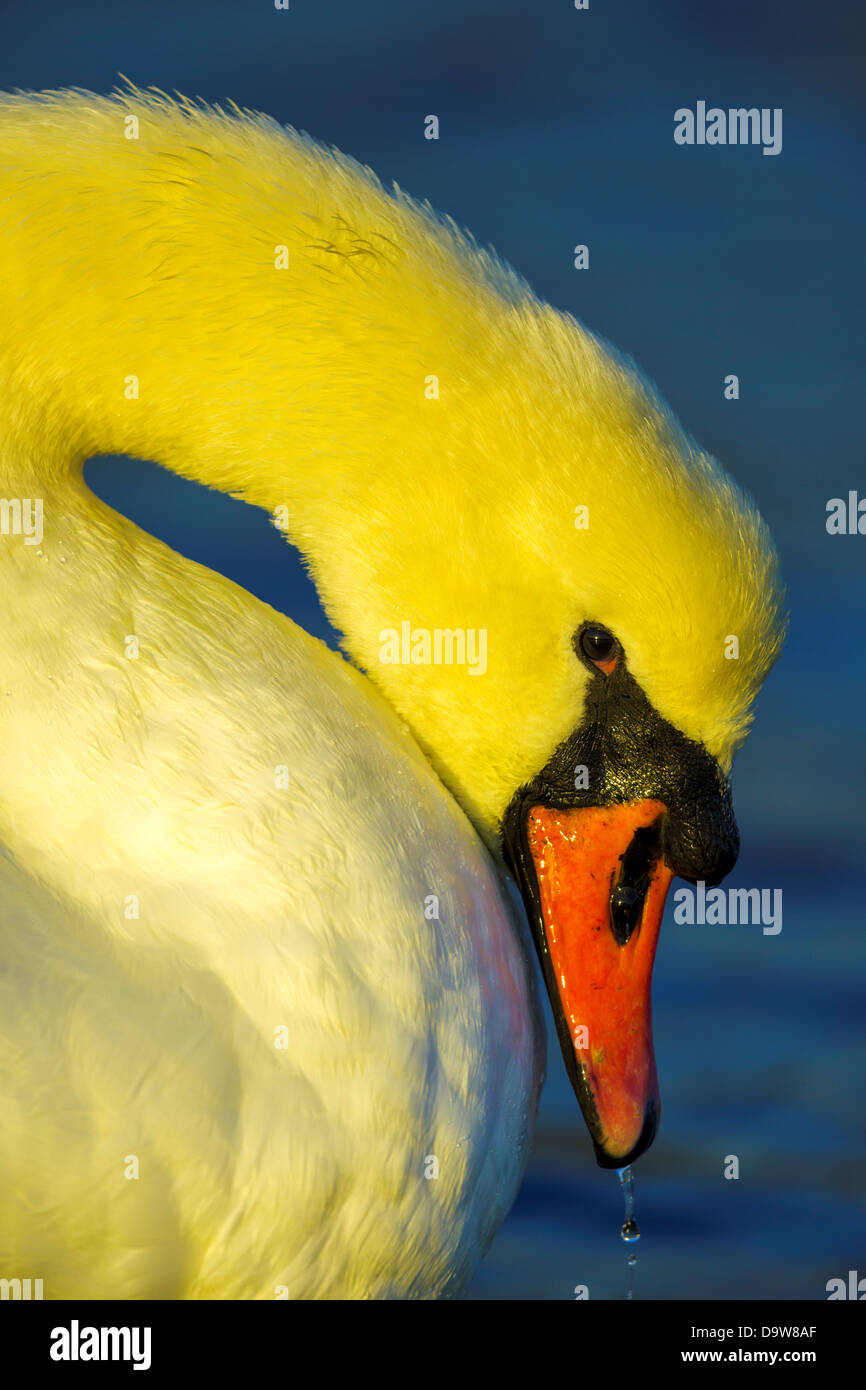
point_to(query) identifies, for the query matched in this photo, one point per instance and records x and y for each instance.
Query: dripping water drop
(630, 1231)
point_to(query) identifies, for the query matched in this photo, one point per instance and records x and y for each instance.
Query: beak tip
(605, 1159)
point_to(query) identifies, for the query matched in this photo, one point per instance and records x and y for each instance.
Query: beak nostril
(626, 906)
(628, 894)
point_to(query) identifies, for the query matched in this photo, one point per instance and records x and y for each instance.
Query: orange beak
(602, 884)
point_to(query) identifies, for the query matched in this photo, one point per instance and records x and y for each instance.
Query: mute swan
(267, 1025)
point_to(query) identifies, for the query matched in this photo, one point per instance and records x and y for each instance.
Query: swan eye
(599, 647)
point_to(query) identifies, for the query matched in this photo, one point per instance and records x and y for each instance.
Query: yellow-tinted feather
(284, 318)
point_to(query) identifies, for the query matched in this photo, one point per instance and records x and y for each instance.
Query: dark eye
(599, 646)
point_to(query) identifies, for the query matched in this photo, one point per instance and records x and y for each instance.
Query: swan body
(236, 989)
(267, 1023)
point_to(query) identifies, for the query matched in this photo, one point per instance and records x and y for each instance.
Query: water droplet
(630, 1230)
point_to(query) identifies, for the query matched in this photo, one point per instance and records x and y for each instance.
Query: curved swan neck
(233, 302)
(257, 314)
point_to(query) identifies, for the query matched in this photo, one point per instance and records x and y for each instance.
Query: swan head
(620, 600)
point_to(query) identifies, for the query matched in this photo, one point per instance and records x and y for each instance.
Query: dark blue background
(557, 128)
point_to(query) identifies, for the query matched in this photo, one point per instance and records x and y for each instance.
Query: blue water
(556, 128)
(761, 1053)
